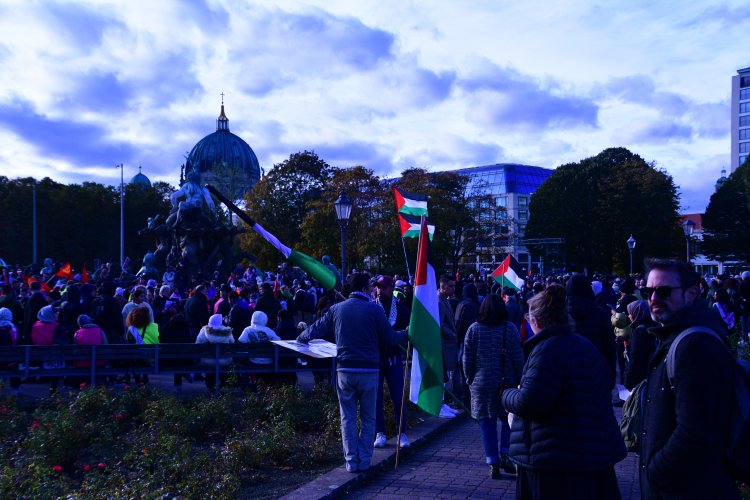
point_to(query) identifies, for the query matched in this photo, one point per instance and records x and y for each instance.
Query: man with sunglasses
(684, 420)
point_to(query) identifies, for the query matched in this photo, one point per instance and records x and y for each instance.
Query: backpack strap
(673, 347)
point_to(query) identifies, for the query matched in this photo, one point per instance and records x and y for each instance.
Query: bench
(113, 359)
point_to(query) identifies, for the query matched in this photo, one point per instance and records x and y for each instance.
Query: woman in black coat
(642, 344)
(564, 436)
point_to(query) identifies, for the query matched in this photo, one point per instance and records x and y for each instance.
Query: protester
(48, 331)
(564, 436)
(9, 337)
(141, 329)
(685, 419)
(359, 328)
(197, 310)
(391, 365)
(215, 333)
(448, 335)
(642, 343)
(492, 361)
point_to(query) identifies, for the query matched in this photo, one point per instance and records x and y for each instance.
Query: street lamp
(631, 246)
(343, 208)
(122, 212)
(687, 229)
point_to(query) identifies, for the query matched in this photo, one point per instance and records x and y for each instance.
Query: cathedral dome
(140, 179)
(221, 155)
(721, 180)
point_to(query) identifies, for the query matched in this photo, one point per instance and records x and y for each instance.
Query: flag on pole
(426, 388)
(65, 271)
(84, 275)
(509, 273)
(411, 226)
(410, 203)
(316, 269)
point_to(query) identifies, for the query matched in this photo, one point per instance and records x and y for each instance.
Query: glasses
(662, 292)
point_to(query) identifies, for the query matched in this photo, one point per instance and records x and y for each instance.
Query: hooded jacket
(215, 335)
(258, 332)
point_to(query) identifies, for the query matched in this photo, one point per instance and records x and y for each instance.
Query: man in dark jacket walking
(685, 419)
(360, 329)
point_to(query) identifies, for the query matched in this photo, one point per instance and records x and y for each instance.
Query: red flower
(82, 386)
(4, 410)
(57, 468)
(86, 468)
(127, 387)
(101, 465)
(46, 426)
(119, 417)
(35, 425)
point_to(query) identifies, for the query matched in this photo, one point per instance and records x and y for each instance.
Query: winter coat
(149, 334)
(642, 346)
(448, 334)
(593, 322)
(34, 304)
(258, 332)
(221, 335)
(197, 311)
(483, 365)
(563, 410)
(108, 315)
(89, 335)
(467, 313)
(268, 304)
(239, 317)
(684, 426)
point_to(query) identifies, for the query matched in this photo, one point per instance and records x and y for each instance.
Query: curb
(338, 482)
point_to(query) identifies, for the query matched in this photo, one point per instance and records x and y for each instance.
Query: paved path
(452, 466)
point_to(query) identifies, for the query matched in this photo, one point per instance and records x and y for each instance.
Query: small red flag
(84, 275)
(65, 271)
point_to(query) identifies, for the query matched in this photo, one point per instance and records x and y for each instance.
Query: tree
(726, 224)
(280, 201)
(597, 203)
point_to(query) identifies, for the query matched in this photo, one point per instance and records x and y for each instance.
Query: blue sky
(385, 84)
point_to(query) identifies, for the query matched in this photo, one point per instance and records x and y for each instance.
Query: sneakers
(447, 412)
(403, 442)
(380, 440)
(495, 471)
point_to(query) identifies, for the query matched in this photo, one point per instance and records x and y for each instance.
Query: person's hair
(446, 280)
(359, 281)
(548, 307)
(283, 314)
(722, 296)
(35, 286)
(687, 276)
(492, 311)
(138, 317)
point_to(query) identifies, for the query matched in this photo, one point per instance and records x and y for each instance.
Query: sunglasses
(662, 292)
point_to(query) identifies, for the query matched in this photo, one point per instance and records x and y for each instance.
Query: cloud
(726, 15)
(653, 131)
(80, 143)
(640, 89)
(505, 99)
(710, 120)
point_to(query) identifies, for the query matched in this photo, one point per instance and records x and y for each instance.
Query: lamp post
(687, 229)
(343, 208)
(122, 212)
(631, 246)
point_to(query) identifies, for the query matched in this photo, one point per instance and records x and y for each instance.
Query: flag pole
(406, 259)
(403, 404)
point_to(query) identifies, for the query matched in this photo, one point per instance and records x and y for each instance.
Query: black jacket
(642, 346)
(564, 418)
(684, 427)
(593, 322)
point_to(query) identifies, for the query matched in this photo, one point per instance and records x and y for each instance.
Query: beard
(663, 315)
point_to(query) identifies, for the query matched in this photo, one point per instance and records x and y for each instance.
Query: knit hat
(215, 321)
(84, 320)
(165, 288)
(6, 315)
(46, 314)
(119, 291)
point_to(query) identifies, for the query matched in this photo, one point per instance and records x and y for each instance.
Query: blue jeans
(488, 428)
(357, 390)
(392, 370)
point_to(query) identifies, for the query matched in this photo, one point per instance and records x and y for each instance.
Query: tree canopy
(726, 223)
(597, 203)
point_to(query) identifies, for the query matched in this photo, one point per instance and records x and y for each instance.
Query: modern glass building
(740, 117)
(510, 186)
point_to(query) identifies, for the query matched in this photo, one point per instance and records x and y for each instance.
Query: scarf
(390, 314)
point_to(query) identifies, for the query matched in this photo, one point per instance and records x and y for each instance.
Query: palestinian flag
(411, 225)
(509, 273)
(410, 203)
(426, 389)
(314, 268)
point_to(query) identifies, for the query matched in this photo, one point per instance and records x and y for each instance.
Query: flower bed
(140, 442)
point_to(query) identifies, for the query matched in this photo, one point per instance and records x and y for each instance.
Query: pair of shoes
(351, 468)
(447, 412)
(403, 441)
(508, 466)
(495, 471)
(380, 440)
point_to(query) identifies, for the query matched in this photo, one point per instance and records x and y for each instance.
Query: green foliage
(597, 203)
(143, 443)
(726, 223)
(76, 222)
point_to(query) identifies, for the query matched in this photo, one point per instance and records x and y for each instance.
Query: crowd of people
(540, 361)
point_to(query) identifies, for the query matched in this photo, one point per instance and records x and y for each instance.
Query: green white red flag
(410, 203)
(426, 389)
(509, 273)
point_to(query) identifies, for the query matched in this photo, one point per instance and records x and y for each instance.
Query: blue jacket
(360, 330)
(564, 418)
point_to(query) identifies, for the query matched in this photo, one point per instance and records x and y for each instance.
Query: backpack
(737, 450)
(631, 423)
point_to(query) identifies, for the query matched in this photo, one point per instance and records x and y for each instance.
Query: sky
(387, 84)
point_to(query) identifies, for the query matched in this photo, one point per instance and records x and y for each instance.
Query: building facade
(740, 117)
(505, 189)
